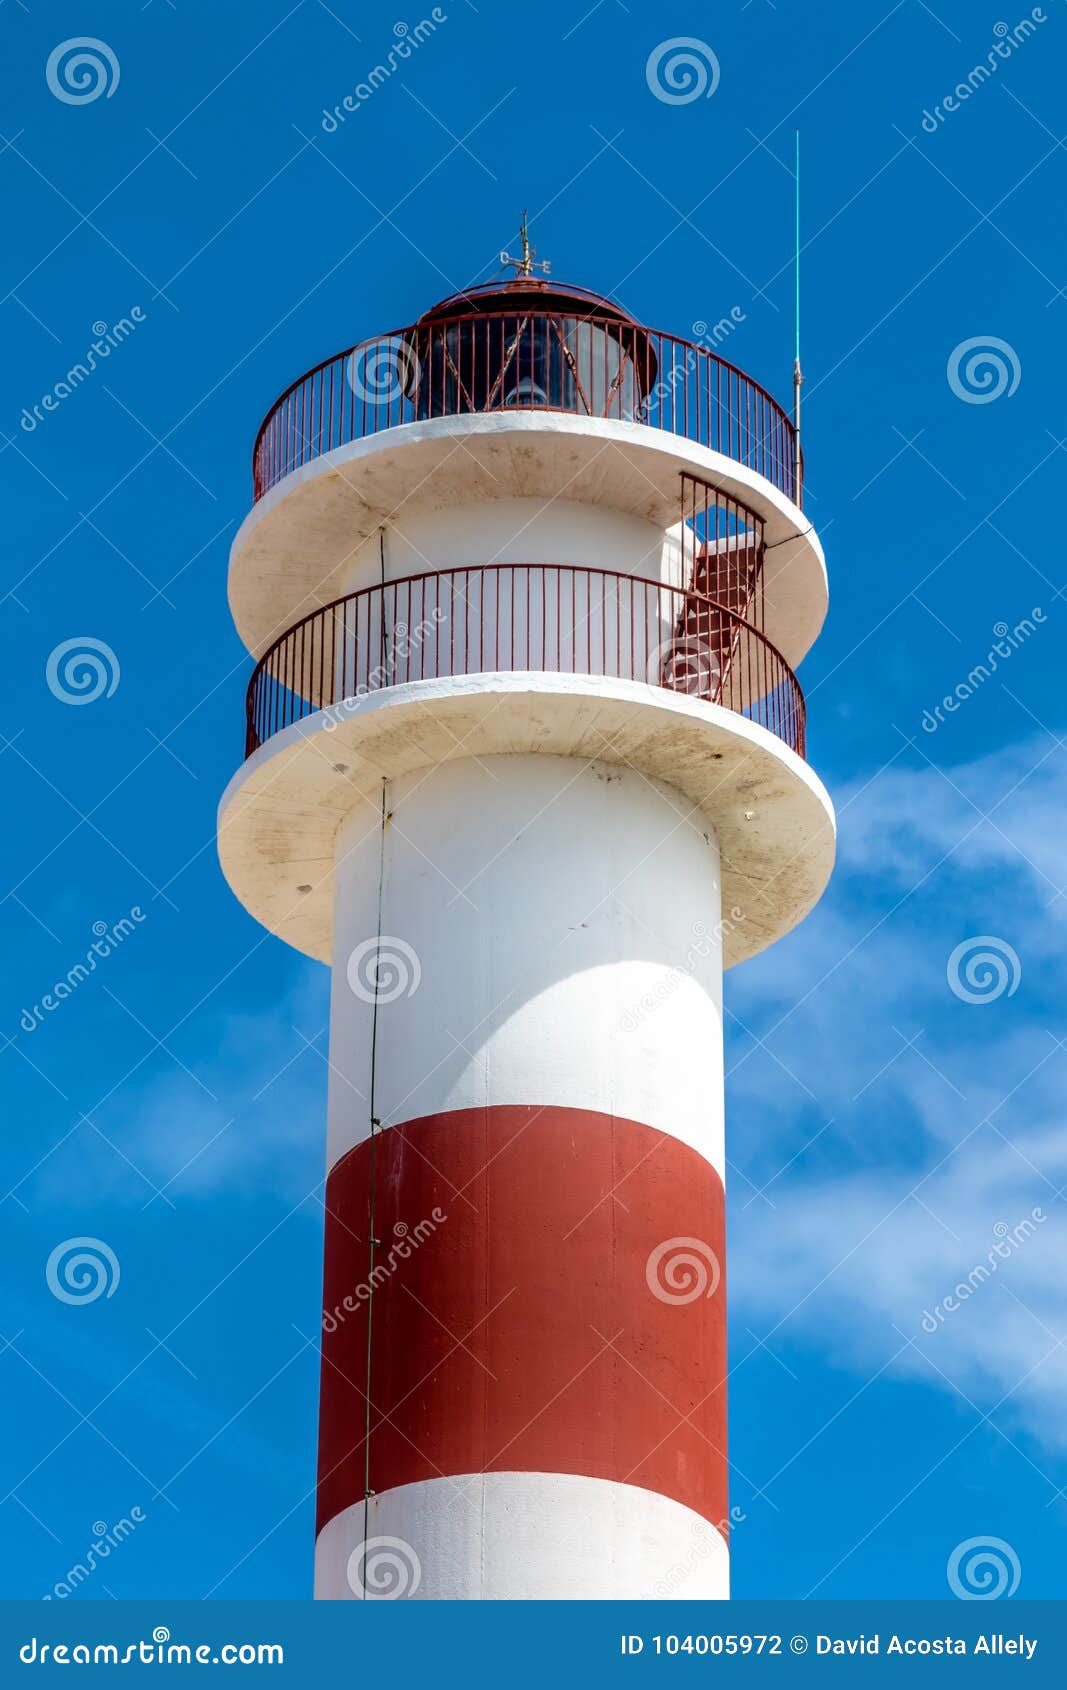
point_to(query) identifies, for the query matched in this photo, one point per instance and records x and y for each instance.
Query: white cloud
(930, 1147)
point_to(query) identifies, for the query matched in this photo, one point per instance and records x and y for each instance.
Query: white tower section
(527, 584)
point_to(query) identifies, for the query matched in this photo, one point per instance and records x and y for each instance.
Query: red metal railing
(532, 360)
(540, 617)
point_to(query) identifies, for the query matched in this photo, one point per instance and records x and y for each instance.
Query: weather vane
(528, 263)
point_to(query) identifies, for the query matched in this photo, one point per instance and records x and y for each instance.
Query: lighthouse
(526, 583)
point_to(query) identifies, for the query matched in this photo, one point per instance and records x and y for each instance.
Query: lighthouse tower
(526, 584)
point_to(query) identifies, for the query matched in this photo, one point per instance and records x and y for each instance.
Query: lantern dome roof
(527, 293)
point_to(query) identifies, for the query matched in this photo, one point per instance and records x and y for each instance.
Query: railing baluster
(736, 417)
(718, 406)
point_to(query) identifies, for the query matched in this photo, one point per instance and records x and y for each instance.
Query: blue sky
(882, 1130)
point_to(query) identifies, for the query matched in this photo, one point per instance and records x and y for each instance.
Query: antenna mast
(798, 377)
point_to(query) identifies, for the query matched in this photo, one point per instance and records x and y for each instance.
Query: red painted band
(514, 1323)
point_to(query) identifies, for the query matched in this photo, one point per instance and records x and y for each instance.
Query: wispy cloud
(921, 1126)
(246, 1115)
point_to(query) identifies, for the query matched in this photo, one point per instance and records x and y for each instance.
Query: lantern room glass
(530, 360)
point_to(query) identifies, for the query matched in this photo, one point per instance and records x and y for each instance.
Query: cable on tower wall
(375, 1123)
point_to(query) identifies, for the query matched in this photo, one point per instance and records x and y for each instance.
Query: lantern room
(532, 344)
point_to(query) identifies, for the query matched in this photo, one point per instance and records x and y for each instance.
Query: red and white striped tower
(526, 584)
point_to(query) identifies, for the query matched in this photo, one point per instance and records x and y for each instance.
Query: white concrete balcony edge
(771, 814)
(292, 553)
